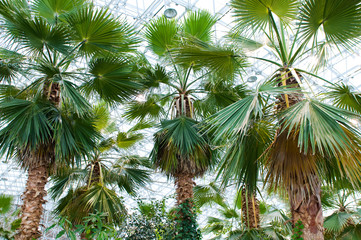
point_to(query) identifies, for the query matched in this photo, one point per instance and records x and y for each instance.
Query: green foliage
(298, 231)
(9, 221)
(186, 227)
(93, 227)
(180, 147)
(150, 221)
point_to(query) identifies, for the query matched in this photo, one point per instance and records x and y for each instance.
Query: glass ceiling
(343, 66)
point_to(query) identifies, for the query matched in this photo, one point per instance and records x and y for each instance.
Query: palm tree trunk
(307, 209)
(184, 187)
(250, 209)
(33, 200)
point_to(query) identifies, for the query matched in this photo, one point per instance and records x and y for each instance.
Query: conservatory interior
(180, 119)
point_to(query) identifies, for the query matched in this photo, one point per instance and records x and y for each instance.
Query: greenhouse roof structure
(343, 66)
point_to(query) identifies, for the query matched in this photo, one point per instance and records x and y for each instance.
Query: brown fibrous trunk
(307, 209)
(184, 187)
(250, 209)
(33, 200)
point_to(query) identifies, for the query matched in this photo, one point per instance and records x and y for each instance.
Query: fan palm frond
(112, 78)
(338, 20)
(345, 97)
(199, 24)
(255, 14)
(161, 34)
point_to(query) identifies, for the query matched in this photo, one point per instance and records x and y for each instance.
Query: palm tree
(180, 150)
(91, 189)
(45, 118)
(302, 147)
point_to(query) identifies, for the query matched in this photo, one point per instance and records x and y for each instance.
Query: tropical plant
(150, 220)
(302, 148)
(8, 218)
(92, 188)
(232, 220)
(180, 150)
(92, 227)
(45, 118)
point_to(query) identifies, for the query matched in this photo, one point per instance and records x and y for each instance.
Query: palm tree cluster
(65, 64)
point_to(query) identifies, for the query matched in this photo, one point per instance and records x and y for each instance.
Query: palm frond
(56, 10)
(254, 14)
(315, 121)
(337, 221)
(208, 195)
(338, 20)
(96, 31)
(24, 123)
(130, 173)
(150, 109)
(236, 118)
(64, 178)
(199, 24)
(10, 64)
(161, 34)
(127, 140)
(112, 78)
(345, 97)
(34, 34)
(222, 61)
(75, 136)
(242, 157)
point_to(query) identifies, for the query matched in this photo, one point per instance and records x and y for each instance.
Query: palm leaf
(222, 61)
(96, 31)
(345, 97)
(337, 221)
(339, 20)
(150, 109)
(161, 34)
(56, 10)
(25, 123)
(199, 24)
(127, 140)
(255, 14)
(112, 78)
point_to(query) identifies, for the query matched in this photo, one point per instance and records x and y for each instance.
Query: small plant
(93, 227)
(298, 231)
(9, 222)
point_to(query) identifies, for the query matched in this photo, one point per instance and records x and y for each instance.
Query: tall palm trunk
(184, 178)
(304, 207)
(38, 164)
(184, 187)
(250, 209)
(307, 209)
(33, 200)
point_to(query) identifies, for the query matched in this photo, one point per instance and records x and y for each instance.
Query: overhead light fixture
(252, 79)
(170, 13)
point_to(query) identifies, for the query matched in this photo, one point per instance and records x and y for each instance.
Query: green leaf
(254, 14)
(180, 147)
(127, 140)
(161, 34)
(199, 24)
(112, 78)
(337, 221)
(337, 19)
